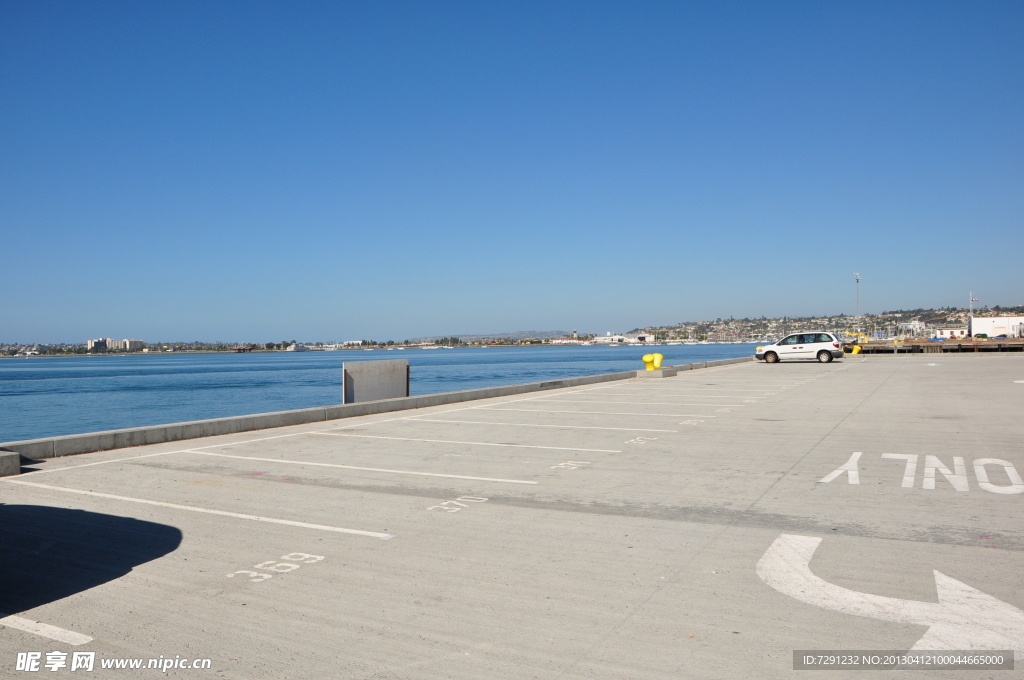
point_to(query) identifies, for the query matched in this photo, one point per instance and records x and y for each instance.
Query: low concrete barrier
(10, 463)
(726, 362)
(51, 447)
(663, 372)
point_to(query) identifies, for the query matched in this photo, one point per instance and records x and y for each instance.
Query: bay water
(50, 396)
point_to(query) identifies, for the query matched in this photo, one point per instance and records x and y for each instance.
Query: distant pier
(945, 347)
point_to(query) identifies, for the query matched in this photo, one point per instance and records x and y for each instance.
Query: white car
(823, 347)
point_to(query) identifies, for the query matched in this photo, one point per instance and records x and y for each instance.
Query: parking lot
(705, 525)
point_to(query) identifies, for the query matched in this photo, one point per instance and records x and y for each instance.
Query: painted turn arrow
(963, 618)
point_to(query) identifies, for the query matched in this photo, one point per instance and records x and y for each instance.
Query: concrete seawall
(68, 445)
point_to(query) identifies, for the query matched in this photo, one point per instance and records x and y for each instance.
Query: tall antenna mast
(856, 277)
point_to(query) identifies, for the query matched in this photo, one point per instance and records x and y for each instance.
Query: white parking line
(45, 630)
(699, 389)
(224, 513)
(634, 403)
(600, 413)
(567, 427)
(359, 423)
(101, 462)
(368, 469)
(731, 381)
(753, 384)
(701, 396)
(750, 384)
(448, 441)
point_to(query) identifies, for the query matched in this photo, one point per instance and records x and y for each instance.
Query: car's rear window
(824, 337)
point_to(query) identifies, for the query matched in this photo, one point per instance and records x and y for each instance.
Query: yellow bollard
(652, 361)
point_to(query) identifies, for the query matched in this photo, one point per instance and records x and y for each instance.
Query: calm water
(44, 396)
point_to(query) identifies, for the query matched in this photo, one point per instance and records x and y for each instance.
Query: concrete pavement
(600, 531)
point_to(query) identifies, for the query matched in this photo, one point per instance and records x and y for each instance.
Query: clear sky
(321, 171)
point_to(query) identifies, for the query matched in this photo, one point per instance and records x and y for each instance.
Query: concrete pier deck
(699, 526)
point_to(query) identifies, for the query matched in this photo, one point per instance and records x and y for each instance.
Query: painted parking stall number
(935, 468)
(570, 465)
(288, 563)
(457, 504)
(642, 440)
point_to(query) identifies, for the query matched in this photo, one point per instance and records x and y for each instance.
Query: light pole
(970, 313)
(856, 277)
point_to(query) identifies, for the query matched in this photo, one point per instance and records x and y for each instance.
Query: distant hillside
(518, 335)
(891, 323)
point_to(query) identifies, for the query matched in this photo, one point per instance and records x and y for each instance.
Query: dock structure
(709, 524)
(955, 346)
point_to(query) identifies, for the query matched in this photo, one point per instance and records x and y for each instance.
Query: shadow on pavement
(47, 553)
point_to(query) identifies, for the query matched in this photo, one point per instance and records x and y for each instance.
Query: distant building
(614, 340)
(643, 338)
(111, 345)
(914, 329)
(1010, 326)
(959, 332)
(297, 347)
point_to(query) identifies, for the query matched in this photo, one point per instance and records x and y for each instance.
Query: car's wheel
(824, 357)
(771, 358)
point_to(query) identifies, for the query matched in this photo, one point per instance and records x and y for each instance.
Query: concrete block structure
(373, 380)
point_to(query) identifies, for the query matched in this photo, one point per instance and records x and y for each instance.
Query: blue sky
(255, 171)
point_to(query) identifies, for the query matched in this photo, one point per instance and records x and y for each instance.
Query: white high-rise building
(109, 344)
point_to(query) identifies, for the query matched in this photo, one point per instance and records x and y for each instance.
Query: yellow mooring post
(652, 361)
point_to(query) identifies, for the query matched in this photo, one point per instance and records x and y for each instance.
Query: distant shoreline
(352, 349)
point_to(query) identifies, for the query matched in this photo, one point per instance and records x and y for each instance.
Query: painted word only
(957, 477)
